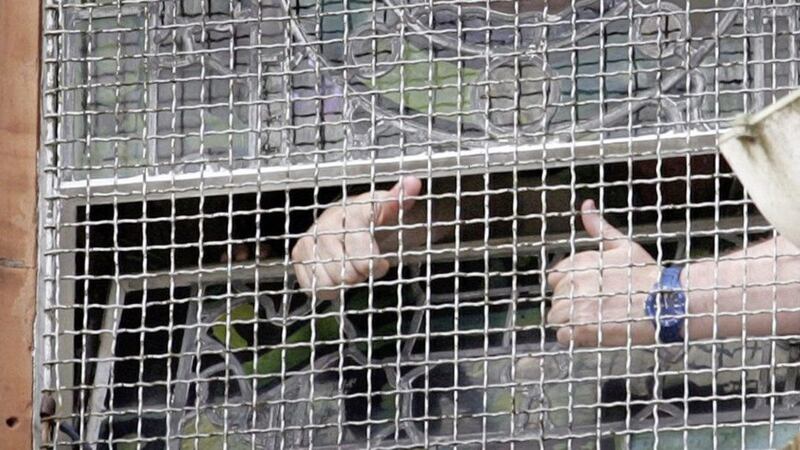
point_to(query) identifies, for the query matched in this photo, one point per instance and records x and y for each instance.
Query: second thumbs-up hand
(599, 296)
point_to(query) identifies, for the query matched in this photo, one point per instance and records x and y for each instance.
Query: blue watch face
(671, 306)
(666, 305)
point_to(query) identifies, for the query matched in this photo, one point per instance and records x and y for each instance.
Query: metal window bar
(188, 145)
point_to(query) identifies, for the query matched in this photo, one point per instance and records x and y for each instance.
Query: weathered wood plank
(19, 137)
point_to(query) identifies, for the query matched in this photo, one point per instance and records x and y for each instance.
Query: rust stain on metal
(19, 136)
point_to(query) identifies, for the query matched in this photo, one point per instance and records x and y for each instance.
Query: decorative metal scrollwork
(292, 82)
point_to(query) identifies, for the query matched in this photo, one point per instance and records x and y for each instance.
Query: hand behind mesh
(345, 245)
(342, 249)
(598, 295)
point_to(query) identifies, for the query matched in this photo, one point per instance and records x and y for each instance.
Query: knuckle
(381, 267)
(570, 286)
(363, 208)
(359, 266)
(552, 315)
(576, 278)
(328, 279)
(330, 221)
(352, 276)
(313, 277)
(564, 336)
(364, 266)
(331, 247)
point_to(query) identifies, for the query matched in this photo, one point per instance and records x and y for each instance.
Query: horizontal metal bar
(493, 158)
(275, 269)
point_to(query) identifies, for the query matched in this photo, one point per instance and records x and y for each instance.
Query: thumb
(388, 207)
(598, 227)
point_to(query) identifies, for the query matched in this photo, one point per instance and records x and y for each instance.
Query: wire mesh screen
(227, 261)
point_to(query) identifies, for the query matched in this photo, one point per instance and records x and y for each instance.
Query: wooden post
(19, 143)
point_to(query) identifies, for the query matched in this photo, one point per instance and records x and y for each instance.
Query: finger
(581, 336)
(557, 273)
(363, 255)
(387, 210)
(362, 268)
(312, 268)
(598, 227)
(559, 313)
(585, 336)
(365, 267)
(616, 334)
(334, 261)
(564, 289)
(320, 281)
(302, 276)
(578, 261)
(580, 285)
(570, 302)
(314, 276)
(564, 335)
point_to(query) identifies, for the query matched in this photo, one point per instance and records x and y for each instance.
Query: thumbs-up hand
(341, 249)
(599, 297)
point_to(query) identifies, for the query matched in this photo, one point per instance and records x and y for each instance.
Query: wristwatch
(666, 305)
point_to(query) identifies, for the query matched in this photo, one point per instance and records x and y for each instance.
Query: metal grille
(190, 144)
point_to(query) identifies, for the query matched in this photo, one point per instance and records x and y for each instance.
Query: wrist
(699, 298)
